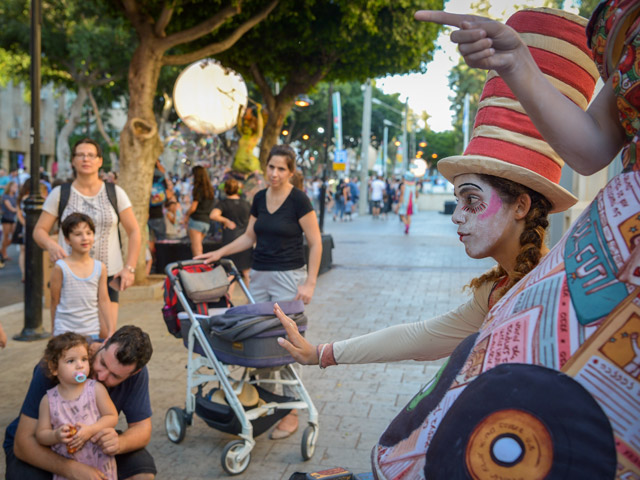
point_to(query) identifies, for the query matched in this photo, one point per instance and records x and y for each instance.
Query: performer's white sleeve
(424, 340)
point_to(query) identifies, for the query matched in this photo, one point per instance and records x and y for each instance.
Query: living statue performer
(250, 126)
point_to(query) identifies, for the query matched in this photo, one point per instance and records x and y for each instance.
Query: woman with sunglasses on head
(88, 194)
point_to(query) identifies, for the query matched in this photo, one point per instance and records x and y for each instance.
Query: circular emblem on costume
(509, 443)
(522, 421)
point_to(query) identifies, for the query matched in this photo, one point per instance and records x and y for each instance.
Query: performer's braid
(531, 239)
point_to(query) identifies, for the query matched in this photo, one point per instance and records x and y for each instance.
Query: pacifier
(80, 377)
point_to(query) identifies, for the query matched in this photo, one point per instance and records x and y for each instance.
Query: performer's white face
(486, 225)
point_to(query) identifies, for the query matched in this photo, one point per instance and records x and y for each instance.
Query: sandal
(285, 427)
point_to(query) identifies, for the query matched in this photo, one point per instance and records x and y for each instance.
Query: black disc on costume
(523, 421)
(415, 412)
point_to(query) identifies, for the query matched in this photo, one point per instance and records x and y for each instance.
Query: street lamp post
(363, 206)
(366, 132)
(325, 168)
(385, 141)
(33, 285)
(403, 128)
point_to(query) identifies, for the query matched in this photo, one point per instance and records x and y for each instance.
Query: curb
(16, 307)
(132, 294)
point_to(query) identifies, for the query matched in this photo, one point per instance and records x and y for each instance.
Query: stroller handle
(227, 264)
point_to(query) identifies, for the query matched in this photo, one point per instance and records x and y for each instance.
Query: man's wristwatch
(130, 268)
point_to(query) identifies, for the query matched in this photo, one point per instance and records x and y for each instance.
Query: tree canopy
(306, 41)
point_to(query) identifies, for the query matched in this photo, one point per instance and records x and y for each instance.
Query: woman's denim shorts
(202, 227)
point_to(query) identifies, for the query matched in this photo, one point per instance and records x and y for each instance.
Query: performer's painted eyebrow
(472, 185)
(466, 186)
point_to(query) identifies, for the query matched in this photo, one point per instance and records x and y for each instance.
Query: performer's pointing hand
(482, 42)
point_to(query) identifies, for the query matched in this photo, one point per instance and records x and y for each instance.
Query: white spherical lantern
(418, 167)
(208, 97)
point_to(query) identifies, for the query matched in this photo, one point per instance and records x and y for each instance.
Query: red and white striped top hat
(505, 143)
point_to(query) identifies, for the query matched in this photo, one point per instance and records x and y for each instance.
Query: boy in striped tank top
(79, 296)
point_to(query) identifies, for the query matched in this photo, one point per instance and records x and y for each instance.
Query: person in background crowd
(4, 180)
(316, 191)
(348, 200)
(198, 214)
(298, 180)
(377, 195)
(44, 180)
(233, 214)
(9, 210)
(388, 197)
(354, 187)
(174, 219)
(406, 197)
(340, 199)
(161, 190)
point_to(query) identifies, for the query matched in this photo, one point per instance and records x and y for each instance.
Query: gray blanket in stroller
(255, 320)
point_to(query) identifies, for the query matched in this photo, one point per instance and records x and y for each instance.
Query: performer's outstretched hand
(297, 346)
(483, 43)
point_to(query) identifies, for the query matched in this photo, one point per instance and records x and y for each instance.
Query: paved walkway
(11, 288)
(380, 277)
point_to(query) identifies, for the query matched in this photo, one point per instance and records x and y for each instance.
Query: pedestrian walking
(9, 209)
(378, 189)
(406, 197)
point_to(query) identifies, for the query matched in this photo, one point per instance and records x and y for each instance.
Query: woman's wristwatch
(130, 268)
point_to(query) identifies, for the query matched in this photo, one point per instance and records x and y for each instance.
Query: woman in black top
(279, 216)
(233, 214)
(201, 206)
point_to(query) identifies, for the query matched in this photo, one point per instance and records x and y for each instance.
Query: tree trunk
(63, 151)
(140, 145)
(273, 128)
(115, 166)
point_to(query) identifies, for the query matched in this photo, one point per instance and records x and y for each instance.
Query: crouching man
(120, 365)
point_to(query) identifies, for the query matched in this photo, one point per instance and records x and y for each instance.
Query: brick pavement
(380, 277)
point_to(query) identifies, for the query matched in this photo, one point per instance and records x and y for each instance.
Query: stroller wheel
(308, 444)
(175, 424)
(230, 461)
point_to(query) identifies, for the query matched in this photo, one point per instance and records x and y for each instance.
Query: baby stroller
(222, 341)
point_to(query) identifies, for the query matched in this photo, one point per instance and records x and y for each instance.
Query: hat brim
(560, 198)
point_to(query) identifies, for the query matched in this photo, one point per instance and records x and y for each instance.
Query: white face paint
(484, 221)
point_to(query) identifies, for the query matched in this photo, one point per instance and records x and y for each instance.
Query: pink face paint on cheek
(495, 204)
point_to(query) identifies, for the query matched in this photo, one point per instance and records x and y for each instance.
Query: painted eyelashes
(481, 207)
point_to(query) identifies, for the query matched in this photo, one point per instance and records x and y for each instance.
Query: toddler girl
(77, 408)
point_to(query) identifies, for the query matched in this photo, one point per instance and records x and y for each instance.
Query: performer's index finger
(444, 18)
